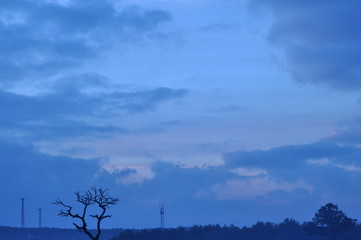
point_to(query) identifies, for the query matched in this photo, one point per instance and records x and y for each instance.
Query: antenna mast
(161, 210)
(22, 212)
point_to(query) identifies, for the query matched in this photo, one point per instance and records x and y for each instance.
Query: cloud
(253, 188)
(146, 99)
(287, 157)
(44, 93)
(130, 175)
(319, 40)
(41, 38)
(204, 194)
(42, 178)
(70, 112)
(339, 166)
(348, 133)
(264, 180)
(171, 177)
(29, 171)
(221, 26)
(351, 135)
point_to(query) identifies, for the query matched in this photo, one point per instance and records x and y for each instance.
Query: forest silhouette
(329, 223)
(289, 229)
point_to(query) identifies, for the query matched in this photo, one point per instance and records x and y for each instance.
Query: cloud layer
(320, 40)
(40, 38)
(69, 112)
(247, 182)
(54, 95)
(45, 94)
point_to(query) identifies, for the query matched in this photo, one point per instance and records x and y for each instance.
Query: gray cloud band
(320, 40)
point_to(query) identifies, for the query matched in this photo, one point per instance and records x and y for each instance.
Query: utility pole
(22, 212)
(161, 210)
(40, 220)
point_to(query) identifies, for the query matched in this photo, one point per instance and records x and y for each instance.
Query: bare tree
(93, 196)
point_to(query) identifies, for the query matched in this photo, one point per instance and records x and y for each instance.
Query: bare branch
(97, 196)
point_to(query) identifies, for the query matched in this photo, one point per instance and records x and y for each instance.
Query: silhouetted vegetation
(329, 221)
(93, 196)
(12, 233)
(289, 229)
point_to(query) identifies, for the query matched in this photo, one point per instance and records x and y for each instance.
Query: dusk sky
(228, 111)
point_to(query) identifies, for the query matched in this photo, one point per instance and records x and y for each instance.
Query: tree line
(289, 229)
(328, 223)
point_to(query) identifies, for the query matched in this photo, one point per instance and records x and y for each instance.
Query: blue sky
(229, 111)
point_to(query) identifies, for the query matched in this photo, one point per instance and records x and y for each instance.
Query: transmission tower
(22, 212)
(40, 220)
(161, 210)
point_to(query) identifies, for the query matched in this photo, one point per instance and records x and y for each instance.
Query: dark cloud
(192, 194)
(292, 176)
(70, 112)
(24, 172)
(41, 178)
(320, 40)
(287, 157)
(327, 167)
(39, 39)
(181, 189)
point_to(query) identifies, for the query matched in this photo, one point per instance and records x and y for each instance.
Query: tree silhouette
(93, 196)
(329, 221)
